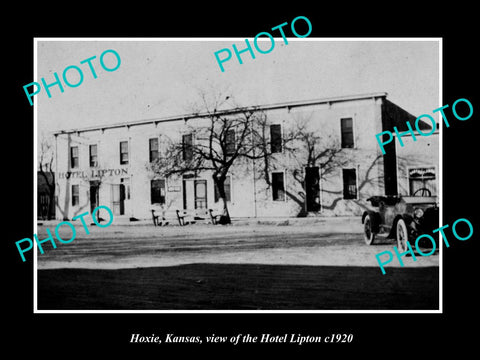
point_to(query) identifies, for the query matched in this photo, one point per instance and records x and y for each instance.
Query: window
(153, 146)
(187, 147)
(93, 156)
(276, 138)
(157, 191)
(227, 188)
(422, 181)
(75, 195)
(230, 142)
(74, 157)
(347, 132)
(123, 152)
(349, 184)
(278, 186)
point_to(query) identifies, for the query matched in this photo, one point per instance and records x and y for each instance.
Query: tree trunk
(51, 190)
(224, 214)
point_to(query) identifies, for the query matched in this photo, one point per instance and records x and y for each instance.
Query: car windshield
(420, 199)
(387, 200)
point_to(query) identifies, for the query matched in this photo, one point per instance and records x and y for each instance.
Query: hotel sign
(93, 173)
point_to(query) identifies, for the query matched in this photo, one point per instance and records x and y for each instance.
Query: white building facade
(109, 165)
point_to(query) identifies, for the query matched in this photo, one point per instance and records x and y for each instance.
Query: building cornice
(186, 117)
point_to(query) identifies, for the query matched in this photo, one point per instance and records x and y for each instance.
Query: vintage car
(402, 218)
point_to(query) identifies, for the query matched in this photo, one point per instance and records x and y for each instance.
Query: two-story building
(108, 164)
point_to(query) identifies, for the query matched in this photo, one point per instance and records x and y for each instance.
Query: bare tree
(304, 147)
(227, 135)
(46, 163)
(222, 139)
(263, 146)
(317, 149)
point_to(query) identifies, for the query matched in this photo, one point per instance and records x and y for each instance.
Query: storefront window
(422, 181)
(157, 191)
(349, 184)
(278, 186)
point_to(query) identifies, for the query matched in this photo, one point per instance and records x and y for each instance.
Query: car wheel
(368, 234)
(402, 235)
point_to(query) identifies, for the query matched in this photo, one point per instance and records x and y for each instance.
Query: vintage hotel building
(108, 165)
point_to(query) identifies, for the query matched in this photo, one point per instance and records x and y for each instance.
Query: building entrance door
(118, 199)
(200, 194)
(94, 194)
(312, 189)
(194, 192)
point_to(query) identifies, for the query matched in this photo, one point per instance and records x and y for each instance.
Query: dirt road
(147, 246)
(245, 267)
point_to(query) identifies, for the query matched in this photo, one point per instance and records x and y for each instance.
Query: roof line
(185, 117)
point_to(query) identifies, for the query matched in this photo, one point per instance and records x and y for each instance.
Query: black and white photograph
(219, 179)
(262, 187)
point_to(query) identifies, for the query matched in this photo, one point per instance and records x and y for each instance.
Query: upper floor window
(230, 142)
(153, 149)
(123, 152)
(74, 157)
(347, 132)
(187, 147)
(93, 156)
(276, 138)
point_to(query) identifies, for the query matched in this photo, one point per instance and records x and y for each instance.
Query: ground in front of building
(286, 264)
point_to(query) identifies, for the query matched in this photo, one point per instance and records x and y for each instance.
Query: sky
(163, 77)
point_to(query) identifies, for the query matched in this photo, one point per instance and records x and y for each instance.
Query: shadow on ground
(239, 287)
